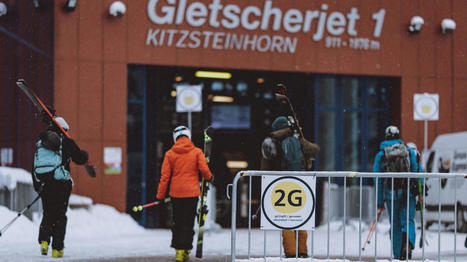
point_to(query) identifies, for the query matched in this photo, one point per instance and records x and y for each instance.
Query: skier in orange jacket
(179, 176)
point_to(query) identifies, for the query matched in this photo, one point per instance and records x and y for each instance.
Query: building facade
(351, 68)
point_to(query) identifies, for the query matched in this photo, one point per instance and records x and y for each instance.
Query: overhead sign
(288, 202)
(189, 98)
(338, 29)
(426, 106)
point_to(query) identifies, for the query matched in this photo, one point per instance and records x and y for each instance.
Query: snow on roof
(450, 141)
(10, 176)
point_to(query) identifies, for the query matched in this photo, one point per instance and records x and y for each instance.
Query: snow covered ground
(102, 233)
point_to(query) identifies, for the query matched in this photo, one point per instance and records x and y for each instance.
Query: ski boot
(44, 248)
(57, 253)
(179, 255)
(403, 248)
(186, 254)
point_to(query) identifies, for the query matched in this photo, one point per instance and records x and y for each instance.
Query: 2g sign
(287, 202)
(288, 197)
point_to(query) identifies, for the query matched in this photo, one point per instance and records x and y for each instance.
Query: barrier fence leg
(360, 224)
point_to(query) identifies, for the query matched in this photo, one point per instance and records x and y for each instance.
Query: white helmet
(392, 132)
(181, 131)
(62, 122)
(412, 145)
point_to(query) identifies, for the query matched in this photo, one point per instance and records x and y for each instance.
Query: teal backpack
(291, 154)
(47, 160)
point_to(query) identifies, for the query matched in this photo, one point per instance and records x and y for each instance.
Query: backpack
(292, 156)
(397, 158)
(48, 159)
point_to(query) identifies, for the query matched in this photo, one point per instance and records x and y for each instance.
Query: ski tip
(209, 131)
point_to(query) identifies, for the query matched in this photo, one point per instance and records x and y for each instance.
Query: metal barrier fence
(344, 174)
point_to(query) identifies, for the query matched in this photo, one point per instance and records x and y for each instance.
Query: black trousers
(55, 196)
(184, 212)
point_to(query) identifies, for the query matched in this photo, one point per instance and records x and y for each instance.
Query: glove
(211, 180)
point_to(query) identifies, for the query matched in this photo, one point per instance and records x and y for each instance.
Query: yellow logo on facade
(288, 197)
(189, 100)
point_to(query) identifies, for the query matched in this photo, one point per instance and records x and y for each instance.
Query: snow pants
(55, 196)
(184, 212)
(289, 240)
(399, 222)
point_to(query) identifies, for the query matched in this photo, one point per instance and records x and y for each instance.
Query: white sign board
(426, 106)
(189, 98)
(112, 160)
(288, 202)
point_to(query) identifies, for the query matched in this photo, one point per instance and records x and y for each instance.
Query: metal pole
(360, 224)
(234, 218)
(392, 216)
(296, 244)
(264, 254)
(376, 219)
(249, 217)
(423, 224)
(329, 211)
(407, 228)
(280, 244)
(345, 210)
(312, 244)
(455, 217)
(425, 138)
(439, 221)
(189, 121)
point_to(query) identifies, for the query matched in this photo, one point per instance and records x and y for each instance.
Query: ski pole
(255, 215)
(19, 214)
(372, 228)
(140, 207)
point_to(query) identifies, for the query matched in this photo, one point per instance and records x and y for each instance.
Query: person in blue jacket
(399, 219)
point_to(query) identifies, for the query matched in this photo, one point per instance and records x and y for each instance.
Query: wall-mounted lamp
(36, 3)
(448, 25)
(416, 24)
(3, 9)
(117, 9)
(70, 5)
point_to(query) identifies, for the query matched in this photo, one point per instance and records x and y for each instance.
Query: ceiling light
(237, 164)
(36, 3)
(178, 79)
(222, 99)
(211, 74)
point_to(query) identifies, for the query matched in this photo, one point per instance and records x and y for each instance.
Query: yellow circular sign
(288, 197)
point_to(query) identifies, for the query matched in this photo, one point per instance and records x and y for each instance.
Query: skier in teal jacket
(399, 218)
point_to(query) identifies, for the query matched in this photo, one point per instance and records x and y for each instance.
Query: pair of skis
(21, 83)
(203, 207)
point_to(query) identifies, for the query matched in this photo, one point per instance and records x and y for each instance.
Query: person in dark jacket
(179, 177)
(54, 186)
(282, 150)
(399, 202)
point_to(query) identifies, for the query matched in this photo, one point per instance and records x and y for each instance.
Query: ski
(42, 108)
(203, 208)
(420, 186)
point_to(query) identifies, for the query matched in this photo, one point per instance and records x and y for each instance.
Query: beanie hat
(280, 123)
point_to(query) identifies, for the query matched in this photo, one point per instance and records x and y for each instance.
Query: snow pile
(21, 230)
(10, 176)
(101, 220)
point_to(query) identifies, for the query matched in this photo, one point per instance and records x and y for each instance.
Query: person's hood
(390, 142)
(183, 145)
(282, 133)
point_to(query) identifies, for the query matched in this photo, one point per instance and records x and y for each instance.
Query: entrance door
(351, 113)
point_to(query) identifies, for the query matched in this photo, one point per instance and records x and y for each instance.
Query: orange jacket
(183, 161)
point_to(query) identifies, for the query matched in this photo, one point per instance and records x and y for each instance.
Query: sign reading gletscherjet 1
(260, 20)
(288, 202)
